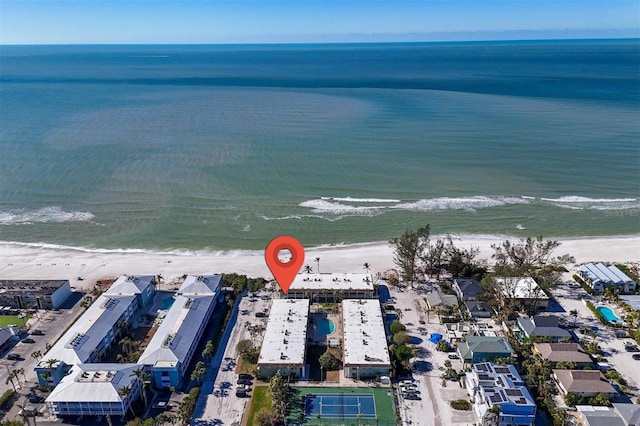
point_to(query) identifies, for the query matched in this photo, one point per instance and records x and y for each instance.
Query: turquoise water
(325, 326)
(224, 147)
(167, 303)
(608, 314)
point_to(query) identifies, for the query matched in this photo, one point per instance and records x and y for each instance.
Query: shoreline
(48, 261)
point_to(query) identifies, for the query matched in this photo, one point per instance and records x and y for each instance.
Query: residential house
(478, 309)
(437, 300)
(586, 383)
(484, 348)
(626, 414)
(563, 352)
(467, 288)
(522, 292)
(500, 386)
(543, 327)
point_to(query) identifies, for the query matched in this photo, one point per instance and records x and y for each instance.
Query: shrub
(6, 396)
(396, 327)
(597, 313)
(461, 404)
(572, 398)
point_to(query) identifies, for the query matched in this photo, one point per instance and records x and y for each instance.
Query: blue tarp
(435, 337)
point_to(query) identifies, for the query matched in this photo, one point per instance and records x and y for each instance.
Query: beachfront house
(522, 293)
(492, 387)
(484, 348)
(478, 309)
(625, 414)
(599, 276)
(437, 300)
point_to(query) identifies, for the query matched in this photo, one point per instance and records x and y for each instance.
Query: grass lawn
(245, 367)
(6, 320)
(259, 400)
(382, 396)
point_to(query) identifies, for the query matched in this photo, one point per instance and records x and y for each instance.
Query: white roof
(130, 284)
(286, 335)
(365, 342)
(85, 335)
(94, 383)
(332, 282)
(606, 274)
(178, 329)
(200, 284)
(521, 288)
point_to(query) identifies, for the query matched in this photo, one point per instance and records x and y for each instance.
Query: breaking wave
(52, 214)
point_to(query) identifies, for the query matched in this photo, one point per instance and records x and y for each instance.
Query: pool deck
(315, 338)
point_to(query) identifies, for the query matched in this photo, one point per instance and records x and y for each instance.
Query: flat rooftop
(45, 287)
(365, 341)
(285, 338)
(346, 282)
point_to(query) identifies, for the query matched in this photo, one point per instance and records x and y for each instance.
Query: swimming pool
(325, 326)
(167, 303)
(608, 314)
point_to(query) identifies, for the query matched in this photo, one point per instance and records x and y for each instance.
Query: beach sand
(22, 261)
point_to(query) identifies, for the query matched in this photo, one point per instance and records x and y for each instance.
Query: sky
(309, 21)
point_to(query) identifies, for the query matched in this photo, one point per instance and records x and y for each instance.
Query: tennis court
(340, 406)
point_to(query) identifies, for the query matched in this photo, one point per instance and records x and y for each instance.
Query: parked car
(260, 314)
(245, 376)
(35, 399)
(37, 333)
(13, 357)
(412, 397)
(241, 393)
(636, 357)
(454, 356)
(28, 340)
(242, 381)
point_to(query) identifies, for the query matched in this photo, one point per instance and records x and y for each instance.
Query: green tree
(404, 353)
(407, 250)
(601, 399)
(199, 372)
(572, 399)
(329, 362)
(396, 327)
(126, 392)
(574, 315)
(141, 378)
(401, 338)
(209, 351)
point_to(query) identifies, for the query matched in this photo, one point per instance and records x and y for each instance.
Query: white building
(523, 291)
(88, 339)
(598, 276)
(91, 336)
(285, 339)
(365, 343)
(34, 294)
(170, 350)
(331, 287)
(95, 390)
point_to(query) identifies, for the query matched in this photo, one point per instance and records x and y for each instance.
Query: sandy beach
(21, 261)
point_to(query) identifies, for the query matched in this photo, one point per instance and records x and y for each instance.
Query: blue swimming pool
(608, 314)
(167, 303)
(325, 326)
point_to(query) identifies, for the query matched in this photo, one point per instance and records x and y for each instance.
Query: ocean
(207, 147)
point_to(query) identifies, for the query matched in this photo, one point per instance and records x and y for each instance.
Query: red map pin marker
(284, 272)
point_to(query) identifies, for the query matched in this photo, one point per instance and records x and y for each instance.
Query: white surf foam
(460, 203)
(576, 202)
(52, 214)
(361, 200)
(332, 207)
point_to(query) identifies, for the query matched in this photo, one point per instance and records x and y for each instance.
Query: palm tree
(23, 413)
(574, 314)
(45, 375)
(36, 354)
(10, 379)
(141, 378)
(126, 392)
(126, 344)
(121, 359)
(21, 371)
(50, 362)
(317, 264)
(14, 373)
(308, 269)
